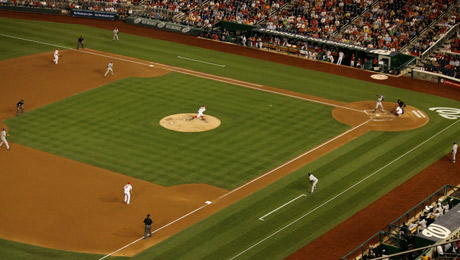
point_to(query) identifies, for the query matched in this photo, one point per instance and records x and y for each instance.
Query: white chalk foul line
(82, 50)
(226, 80)
(293, 160)
(240, 187)
(153, 232)
(285, 204)
(201, 61)
(197, 74)
(341, 193)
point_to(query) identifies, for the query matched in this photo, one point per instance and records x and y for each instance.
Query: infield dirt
(91, 198)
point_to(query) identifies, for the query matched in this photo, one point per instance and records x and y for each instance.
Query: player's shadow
(111, 197)
(130, 232)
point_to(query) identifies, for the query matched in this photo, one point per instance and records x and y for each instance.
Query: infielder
(109, 68)
(379, 103)
(115, 34)
(128, 189)
(200, 112)
(56, 56)
(313, 181)
(454, 150)
(3, 139)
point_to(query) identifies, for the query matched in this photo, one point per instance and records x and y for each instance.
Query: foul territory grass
(117, 127)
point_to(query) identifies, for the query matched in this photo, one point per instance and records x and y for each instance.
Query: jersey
(202, 109)
(454, 148)
(128, 188)
(56, 53)
(381, 98)
(3, 134)
(115, 31)
(110, 65)
(313, 178)
(20, 103)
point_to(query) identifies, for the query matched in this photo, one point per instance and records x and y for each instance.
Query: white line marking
(289, 162)
(210, 63)
(82, 50)
(421, 113)
(338, 195)
(153, 232)
(285, 204)
(198, 74)
(244, 185)
(208, 76)
(416, 114)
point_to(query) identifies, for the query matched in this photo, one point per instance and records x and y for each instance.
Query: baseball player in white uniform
(128, 189)
(454, 151)
(109, 68)
(56, 56)
(200, 112)
(379, 102)
(341, 55)
(3, 139)
(115, 34)
(313, 181)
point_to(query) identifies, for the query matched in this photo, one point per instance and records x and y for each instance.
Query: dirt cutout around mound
(341, 239)
(92, 197)
(380, 121)
(186, 123)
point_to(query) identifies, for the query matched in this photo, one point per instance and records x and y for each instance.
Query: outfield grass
(390, 157)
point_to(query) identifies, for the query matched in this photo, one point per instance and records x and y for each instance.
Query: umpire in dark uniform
(19, 106)
(80, 43)
(148, 225)
(401, 105)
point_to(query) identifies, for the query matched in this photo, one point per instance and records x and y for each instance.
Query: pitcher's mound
(184, 123)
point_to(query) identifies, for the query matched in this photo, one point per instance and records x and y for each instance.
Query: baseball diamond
(84, 136)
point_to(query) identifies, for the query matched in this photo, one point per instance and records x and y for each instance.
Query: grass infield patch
(111, 127)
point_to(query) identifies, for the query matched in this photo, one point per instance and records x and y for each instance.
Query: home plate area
(380, 116)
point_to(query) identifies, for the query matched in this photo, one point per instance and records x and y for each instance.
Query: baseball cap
(129, 182)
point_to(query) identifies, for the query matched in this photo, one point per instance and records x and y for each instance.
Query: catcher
(379, 103)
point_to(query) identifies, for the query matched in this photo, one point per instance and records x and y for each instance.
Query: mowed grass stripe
(116, 127)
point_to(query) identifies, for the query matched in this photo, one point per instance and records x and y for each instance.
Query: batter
(379, 102)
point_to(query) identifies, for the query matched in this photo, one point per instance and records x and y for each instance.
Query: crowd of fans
(407, 234)
(380, 24)
(319, 19)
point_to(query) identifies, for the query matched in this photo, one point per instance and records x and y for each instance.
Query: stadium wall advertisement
(171, 27)
(93, 14)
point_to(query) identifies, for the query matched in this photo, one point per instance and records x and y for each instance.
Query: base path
(342, 239)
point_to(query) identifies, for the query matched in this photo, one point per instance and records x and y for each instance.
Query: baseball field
(238, 190)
